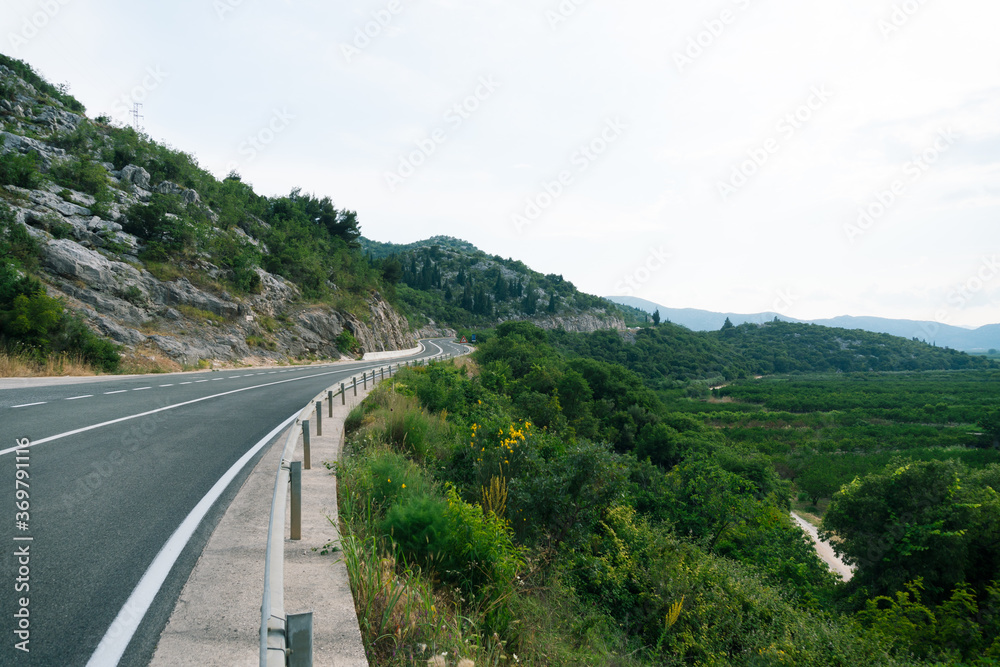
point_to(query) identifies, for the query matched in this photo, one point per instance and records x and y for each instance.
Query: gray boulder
(136, 176)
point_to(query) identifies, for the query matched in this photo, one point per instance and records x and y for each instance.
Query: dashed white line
(248, 375)
(142, 389)
(185, 383)
(77, 398)
(28, 405)
(166, 385)
(234, 377)
(200, 381)
(120, 391)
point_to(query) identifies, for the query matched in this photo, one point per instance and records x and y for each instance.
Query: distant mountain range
(979, 340)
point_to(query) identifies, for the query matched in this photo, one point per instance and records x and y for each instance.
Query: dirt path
(824, 550)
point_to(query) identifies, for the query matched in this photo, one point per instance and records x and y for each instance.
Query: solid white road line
(118, 636)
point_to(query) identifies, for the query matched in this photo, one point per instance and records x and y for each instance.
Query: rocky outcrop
(581, 323)
(123, 301)
(15, 143)
(433, 330)
(136, 176)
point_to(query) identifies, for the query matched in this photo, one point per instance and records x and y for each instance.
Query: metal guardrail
(286, 640)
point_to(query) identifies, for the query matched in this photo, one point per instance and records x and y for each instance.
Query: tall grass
(15, 364)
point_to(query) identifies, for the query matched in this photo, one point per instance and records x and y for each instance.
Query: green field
(821, 431)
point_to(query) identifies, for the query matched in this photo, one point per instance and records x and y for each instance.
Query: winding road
(123, 482)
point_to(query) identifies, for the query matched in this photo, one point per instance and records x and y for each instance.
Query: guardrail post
(319, 417)
(329, 397)
(364, 378)
(354, 383)
(300, 639)
(305, 445)
(296, 480)
(381, 373)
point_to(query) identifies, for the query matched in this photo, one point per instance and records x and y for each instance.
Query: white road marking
(28, 405)
(200, 381)
(185, 383)
(217, 379)
(166, 385)
(120, 391)
(139, 415)
(118, 636)
(77, 398)
(142, 389)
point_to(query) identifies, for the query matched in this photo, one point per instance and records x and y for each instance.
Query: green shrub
(460, 542)
(15, 242)
(164, 225)
(346, 342)
(61, 230)
(34, 323)
(261, 342)
(81, 174)
(19, 170)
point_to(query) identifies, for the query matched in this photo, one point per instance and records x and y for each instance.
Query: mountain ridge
(980, 340)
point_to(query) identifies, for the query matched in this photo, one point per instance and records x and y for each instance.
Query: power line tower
(136, 116)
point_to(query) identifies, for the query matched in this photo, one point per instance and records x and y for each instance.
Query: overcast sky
(813, 158)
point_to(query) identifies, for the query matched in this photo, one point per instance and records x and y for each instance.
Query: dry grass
(147, 359)
(468, 364)
(14, 365)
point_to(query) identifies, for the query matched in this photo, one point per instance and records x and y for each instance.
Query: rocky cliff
(159, 312)
(191, 324)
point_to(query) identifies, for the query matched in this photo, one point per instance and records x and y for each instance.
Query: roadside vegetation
(557, 508)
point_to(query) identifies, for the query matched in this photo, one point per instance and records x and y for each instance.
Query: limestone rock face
(88, 259)
(582, 323)
(122, 300)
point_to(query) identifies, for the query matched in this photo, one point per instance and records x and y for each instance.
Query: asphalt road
(114, 468)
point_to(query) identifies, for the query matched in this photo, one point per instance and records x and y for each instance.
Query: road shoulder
(216, 620)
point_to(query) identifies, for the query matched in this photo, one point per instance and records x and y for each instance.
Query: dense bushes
(19, 170)
(573, 551)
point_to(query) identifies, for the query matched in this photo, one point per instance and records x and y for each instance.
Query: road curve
(115, 467)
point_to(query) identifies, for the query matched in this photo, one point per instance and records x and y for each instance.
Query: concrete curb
(392, 354)
(216, 620)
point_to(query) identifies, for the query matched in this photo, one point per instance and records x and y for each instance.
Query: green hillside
(670, 352)
(456, 284)
(785, 347)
